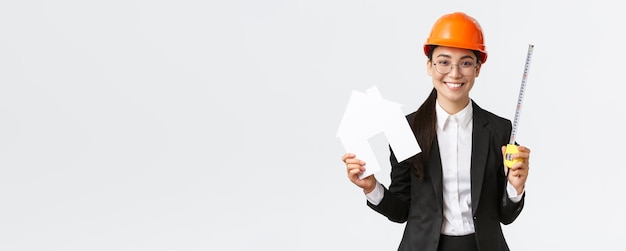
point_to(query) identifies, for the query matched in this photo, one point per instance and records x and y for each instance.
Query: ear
(478, 70)
(429, 68)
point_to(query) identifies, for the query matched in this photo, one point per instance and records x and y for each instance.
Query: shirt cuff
(376, 195)
(512, 192)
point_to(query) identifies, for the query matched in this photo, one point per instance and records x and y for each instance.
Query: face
(453, 72)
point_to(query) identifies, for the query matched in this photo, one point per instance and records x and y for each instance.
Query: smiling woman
(455, 194)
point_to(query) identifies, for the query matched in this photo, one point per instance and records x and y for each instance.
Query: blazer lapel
(480, 149)
(434, 167)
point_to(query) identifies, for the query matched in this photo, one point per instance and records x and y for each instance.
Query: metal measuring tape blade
(511, 148)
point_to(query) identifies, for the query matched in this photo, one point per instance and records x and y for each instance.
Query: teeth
(453, 85)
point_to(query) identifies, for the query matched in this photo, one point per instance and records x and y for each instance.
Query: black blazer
(419, 203)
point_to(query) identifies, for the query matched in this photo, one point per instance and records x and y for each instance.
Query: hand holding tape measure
(511, 148)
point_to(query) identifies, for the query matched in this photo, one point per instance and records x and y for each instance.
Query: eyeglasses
(465, 67)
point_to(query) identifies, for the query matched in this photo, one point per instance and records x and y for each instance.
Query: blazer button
(475, 218)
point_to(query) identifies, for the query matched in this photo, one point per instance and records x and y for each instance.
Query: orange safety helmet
(457, 30)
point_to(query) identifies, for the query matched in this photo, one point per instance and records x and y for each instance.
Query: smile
(453, 85)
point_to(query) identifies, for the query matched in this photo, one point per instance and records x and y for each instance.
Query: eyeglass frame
(459, 67)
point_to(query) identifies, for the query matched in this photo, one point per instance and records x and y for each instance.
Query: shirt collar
(464, 116)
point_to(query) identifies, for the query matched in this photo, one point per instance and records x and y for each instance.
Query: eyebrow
(448, 56)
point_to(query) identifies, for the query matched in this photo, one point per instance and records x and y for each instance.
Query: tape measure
(511, 148)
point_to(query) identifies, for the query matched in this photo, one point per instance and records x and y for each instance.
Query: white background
(210, 125)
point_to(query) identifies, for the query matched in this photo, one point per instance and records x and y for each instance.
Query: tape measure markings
(522, 90)
(511, 148)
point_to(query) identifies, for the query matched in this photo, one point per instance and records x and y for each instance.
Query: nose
(455, 70)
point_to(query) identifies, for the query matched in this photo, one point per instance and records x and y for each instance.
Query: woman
(457, 192)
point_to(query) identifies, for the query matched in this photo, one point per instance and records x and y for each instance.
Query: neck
(452, 107)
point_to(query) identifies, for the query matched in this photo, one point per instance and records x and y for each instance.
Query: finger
(355, 161)
(520, 165)
(513, 176)
(354, 172)
(347, 156)
(523, 149)
(519, 172)
(521, 155)
(358, 168)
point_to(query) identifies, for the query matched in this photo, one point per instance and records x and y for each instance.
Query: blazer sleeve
(509, 210)
(396, 199)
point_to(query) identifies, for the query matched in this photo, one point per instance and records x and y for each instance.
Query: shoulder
(499, 126)
(411, 116)
(489, 117)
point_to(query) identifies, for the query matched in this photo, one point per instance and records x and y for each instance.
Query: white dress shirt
(454, 135)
